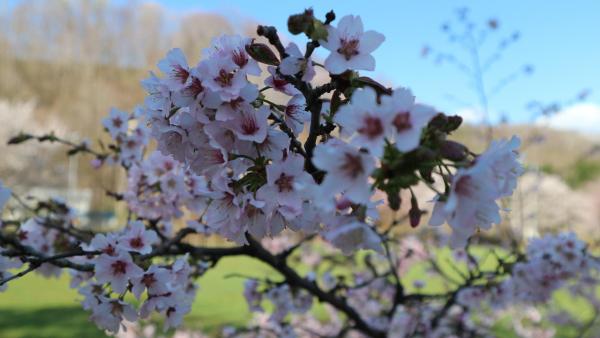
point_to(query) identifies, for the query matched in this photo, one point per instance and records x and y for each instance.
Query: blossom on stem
(116, 270)
(295, 63)
(364, 121)
(350, 46)
(348, 170)
(406, 118)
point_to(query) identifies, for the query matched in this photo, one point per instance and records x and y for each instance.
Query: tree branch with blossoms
(295, 185)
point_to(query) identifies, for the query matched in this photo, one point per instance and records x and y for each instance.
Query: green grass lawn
(37, 307)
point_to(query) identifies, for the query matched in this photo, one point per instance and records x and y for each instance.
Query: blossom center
(240, 58)
(352, 165)
(348, 48)
(117, 122)
(249, 127)
(180, 73)
(224, 78)
(136, 242)
(148, 280)
(119, 268)
(195, 88)
(402, 121)
(109, 250)
(372, 127)
(284, 183)
(464, 186)
(116, 308)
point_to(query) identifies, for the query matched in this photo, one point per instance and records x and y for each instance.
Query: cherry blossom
(107, 244)
(137, 239)
(350, 45)
(407, 118)
(220, 75)
(504, 162)
(280, 84)
(109, 313)
(234, 47)
(155, 280)
(116, 123)
(176, 69)
(295, 114)
(116, 270)
(364, 121)
(348, 169)
(252, 125)
(352, 236)
(295, 63)
(287, 185)
(471, 204)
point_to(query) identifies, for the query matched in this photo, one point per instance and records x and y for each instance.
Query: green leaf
(318, 31)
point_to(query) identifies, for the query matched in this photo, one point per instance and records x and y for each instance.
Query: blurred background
(511, 67)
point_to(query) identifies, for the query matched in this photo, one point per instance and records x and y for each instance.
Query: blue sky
(559, 38)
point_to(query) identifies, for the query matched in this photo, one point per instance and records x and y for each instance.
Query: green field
(37, 307)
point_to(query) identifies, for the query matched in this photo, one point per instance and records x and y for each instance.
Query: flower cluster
(167, 287)
(471, 203)
(130, 138)
(552, 261)
(158, 187)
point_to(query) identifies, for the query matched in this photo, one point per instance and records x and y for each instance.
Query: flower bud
(300, 23)
(262, 53)
(329, 17)
(453, 151)
(414, 214)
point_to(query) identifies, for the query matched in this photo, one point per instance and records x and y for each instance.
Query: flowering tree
(282, 181)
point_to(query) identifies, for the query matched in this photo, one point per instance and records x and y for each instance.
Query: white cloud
(470, 115)
(582, 117)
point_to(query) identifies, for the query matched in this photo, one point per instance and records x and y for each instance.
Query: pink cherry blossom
(252, 124)
(352, 236)
(229, 110)
(295, 114)
(109, 313)
(155, 280)
(176, 69)
(295, 63)
(273, 147)
(470, 205)
(503, 158)
(348, 170)
(280, 84)
(233, 47)
(137, 239)
(364, 121)
(107, 244)
(116, 270)
(116, 123)
(406, 118)
(350, 46)
(287, 185)
(220, 75)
